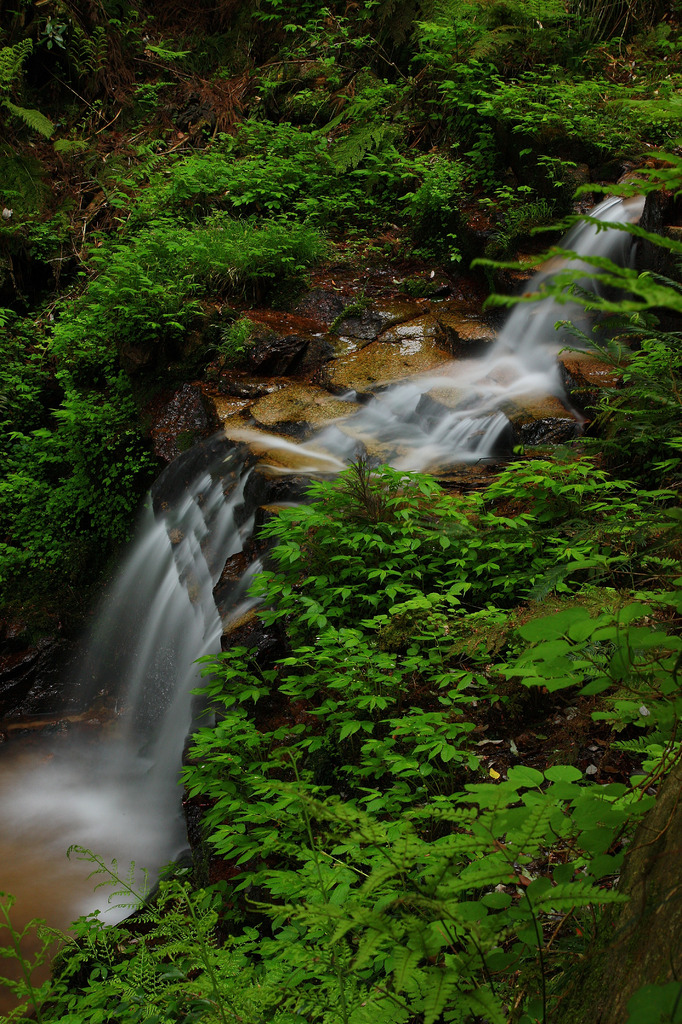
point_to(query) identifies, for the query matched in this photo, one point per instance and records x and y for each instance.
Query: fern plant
(11, 61)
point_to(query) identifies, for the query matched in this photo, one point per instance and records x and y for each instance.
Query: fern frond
(351, 150)
(11, 60)
(491, 42)
(440, 986)
(482, 1003)
(36, 121)
(567, 895)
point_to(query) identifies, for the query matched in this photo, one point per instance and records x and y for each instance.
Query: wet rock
(287, 323)
(423, 328)
(321, 304)
(265, 644)
(379, 364)
(370, 322)
(217, 454)
(229, 580)
(585, 378)
(278, 455)
(465, 335)
(275, 354)
(225, 407)
(660, 209)
(541, 420)
(265, 488)
(437, 403)
(299, 409)
(182, 422)
(252, 388)
(30, 672)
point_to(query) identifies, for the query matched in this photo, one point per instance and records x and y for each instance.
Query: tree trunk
(640, 942)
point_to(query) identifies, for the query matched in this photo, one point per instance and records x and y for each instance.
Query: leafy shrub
(434, 208)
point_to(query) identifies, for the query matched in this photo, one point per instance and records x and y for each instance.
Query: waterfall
(118, 795)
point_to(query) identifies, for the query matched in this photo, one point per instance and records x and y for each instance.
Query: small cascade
(119, 795)
(520, 364)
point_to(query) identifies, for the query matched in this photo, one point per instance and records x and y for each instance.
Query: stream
(113, 789)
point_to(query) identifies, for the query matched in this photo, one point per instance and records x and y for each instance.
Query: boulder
(465, 334)
(274, 354)
(541, 419)
(423, 328)
(215, 455)
(368, 323)
(379, 363)
(30, 672)
(321, 304)
(278, 455)
(585, 377)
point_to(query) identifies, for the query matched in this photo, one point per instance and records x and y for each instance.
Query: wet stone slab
(303, 405)
(379, 364)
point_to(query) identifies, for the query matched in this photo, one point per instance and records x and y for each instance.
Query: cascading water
(119, 795)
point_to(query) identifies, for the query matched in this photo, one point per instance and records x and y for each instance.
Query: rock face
(660, 210)
(287, 345)
(180, 423)
(29, 672)
(276, 355)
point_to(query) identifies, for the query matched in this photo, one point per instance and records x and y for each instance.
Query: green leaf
(563, 773)
(497, 900)
(520, 775)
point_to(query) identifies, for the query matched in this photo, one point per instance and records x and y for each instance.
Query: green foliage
(405, 539)
(381, 877)
(520, 212)
(30, 997)
(36, 121)
(162, 966)
(23, 185)
(235, 341)
(656, 1004)
(435, 208)
(644, 418)
(11, 61)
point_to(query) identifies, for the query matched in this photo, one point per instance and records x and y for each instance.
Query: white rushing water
(119, 795)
